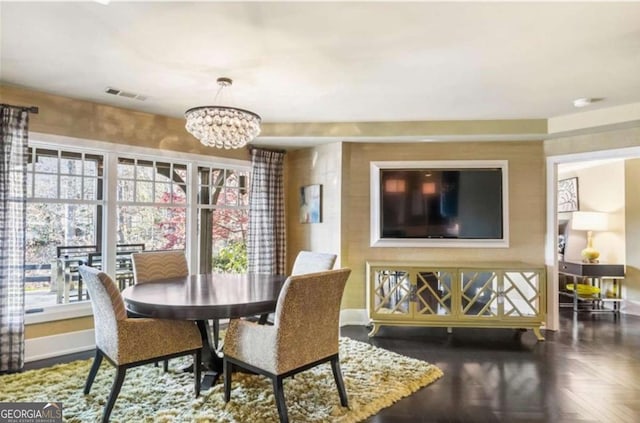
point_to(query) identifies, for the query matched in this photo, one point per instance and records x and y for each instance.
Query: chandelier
(222, 126)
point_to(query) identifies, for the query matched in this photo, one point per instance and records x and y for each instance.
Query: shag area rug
(375, 378)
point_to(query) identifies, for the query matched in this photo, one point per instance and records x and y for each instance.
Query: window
(94, 196)
(64, 207)
(223, 206)
(152, 203)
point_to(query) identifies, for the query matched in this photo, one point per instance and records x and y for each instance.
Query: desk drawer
(591, 269)
(570, 268)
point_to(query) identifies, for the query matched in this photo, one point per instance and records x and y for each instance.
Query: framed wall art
(311, 204)
(568, 195)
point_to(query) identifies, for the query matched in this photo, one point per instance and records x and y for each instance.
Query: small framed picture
(311, 204)
(568, 195)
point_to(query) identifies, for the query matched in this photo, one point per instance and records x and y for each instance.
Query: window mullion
(110, 211)
(193, 237)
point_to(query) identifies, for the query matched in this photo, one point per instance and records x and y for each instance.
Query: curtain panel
(13, 166)
(266, 237)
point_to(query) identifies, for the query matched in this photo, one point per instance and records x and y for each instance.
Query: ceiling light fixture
(222, 126)
(582, 102)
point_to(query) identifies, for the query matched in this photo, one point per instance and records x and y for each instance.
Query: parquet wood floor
(587, 372)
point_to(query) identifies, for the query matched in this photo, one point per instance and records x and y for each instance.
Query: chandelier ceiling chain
(222, 84)
(222, 126)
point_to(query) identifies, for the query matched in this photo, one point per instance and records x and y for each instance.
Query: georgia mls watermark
(30, 412)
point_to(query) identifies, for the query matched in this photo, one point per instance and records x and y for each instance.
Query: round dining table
(202, 298)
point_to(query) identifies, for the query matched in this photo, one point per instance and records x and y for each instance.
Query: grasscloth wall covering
(526, 191)
(526, 206)
(83, 119)
(317, 165)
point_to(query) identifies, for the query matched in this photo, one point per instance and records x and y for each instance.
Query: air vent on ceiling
(127, 94)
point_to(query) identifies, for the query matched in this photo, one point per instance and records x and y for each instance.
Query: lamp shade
(590, 221)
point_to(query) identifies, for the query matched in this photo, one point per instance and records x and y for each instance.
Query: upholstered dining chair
(304, 334)
(127, 342)
(310, 262)
(151, 266)
(306, 262)
(156, 265)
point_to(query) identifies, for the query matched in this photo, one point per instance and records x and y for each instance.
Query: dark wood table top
(202, 297)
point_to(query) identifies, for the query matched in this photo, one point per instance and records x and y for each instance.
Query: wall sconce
(395, 185)
(590, 221)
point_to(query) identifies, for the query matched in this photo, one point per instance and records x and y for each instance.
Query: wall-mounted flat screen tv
(445, 203)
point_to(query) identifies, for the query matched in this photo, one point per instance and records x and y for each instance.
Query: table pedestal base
(211, 361)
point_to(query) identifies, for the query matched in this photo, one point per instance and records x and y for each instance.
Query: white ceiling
(330, 62)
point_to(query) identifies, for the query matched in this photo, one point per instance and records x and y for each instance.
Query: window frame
(205, 264)
(110, 203)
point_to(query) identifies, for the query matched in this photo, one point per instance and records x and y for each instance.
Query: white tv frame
(377, 241)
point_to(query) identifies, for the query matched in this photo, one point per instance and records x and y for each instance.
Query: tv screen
(441, 203)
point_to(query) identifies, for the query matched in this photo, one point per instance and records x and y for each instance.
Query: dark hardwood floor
(589, 371)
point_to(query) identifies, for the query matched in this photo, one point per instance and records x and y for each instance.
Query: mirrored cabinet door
(392, 292)
(479, 293)
(434, 293)
(521, 293)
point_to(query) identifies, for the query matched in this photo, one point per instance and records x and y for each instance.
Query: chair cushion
(252, 343)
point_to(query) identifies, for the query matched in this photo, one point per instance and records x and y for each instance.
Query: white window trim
(38, 139)
(59, 312)
(111, 151)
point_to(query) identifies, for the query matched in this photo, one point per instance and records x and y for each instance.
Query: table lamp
(590, 221)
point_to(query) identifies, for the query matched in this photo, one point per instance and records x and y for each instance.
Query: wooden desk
(596, 272)
(204, 297)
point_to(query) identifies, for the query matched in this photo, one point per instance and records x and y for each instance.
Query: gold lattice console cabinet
(479, 295)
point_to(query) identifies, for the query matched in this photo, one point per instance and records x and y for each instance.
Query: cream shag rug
(374, 378)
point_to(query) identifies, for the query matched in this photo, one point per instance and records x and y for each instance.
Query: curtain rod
(30, 109)
(272, 150)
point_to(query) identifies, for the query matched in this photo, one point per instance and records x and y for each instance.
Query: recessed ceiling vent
(127, 94)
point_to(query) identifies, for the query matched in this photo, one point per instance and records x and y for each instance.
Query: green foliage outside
(232, 258)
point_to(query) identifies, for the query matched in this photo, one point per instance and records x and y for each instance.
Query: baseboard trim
(57, 345)
(631, 307)
(354, 316)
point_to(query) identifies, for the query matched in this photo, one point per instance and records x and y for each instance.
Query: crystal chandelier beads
(222, 126)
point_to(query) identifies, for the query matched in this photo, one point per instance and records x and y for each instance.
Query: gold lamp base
(590, 254)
